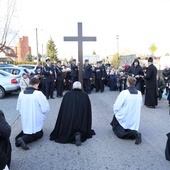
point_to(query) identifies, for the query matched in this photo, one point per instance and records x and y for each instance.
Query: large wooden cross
(80, 40)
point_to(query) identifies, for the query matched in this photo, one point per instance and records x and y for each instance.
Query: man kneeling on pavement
(127, 109)
(33, 107)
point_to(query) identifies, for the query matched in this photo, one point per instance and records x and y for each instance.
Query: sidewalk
(104, 151)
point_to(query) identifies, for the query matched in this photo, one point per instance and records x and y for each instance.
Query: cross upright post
(80, 40)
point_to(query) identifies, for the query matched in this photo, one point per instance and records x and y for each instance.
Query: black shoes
(138, 138)
(151, 107)
(20, 142)
(78, 139)
(52, 98)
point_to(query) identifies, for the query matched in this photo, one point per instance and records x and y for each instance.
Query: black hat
(59, 61)
(150, 59)
(86, 60)
(48, 59)
(74, 60)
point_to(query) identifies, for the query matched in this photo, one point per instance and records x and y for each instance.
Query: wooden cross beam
(80, 40)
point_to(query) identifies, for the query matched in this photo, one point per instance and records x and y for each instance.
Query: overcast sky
(139, 24)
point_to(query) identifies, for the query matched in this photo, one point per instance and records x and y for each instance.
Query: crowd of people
(132, 81)
(61, 77)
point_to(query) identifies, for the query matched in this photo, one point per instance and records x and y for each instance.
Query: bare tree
(7, 11)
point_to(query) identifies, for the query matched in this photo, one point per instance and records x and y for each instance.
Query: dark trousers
(160, 92)
(99, 85)
(87, 85)
(120, 132)
(138, 86)
(73, 79)
(49, 89)
(28, 138)
(60, 87)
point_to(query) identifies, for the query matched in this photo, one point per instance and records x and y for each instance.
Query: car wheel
(2, 93)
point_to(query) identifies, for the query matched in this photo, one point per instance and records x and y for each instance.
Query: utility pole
(37, 46)
(117, 37)
(42, 55)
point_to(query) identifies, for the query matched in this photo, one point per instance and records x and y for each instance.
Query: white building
(92, 58)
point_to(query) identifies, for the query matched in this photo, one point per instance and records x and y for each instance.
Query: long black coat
(5, 145)
(151, 74)
(151, 86)
(87, 72)
(74, 116)
(99, 73)
(74, 71)
(46, 72)
(136, 71)
(60, 74)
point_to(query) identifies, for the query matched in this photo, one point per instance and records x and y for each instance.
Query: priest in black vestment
(74, 119)
(151, 93)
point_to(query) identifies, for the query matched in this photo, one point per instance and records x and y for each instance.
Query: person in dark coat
(121, 81)
(74, 71)
(74, 119)
(112, 80)
(99, 77)
(5, 145)
(49, 76)
(59, 79)
(87, 76)
(166, 77)
(151, 85)
(67, 77)
(161, 86)
(137, 72)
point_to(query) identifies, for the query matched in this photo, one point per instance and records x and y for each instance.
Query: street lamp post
(117, 37)
(37, 46)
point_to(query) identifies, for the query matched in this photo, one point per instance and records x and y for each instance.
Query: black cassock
(75, 115)
(151, 86)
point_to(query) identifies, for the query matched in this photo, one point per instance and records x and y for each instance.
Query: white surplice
(33, 109)
(127, 109)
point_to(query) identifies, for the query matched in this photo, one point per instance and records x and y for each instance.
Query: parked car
(7, 65)
(30, 67)
(8, 83)
(16, 70)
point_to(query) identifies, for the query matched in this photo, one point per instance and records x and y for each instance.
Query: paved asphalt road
(104, 151)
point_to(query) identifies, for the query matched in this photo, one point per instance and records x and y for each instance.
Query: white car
(17, 70)
(30, 67)
(8, 83)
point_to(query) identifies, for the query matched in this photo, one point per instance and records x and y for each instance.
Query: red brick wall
(22, 49)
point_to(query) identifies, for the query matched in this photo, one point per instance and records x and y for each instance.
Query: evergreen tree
(29, 57)
(52, 50)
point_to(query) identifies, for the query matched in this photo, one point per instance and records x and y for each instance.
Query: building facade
(22, 49)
